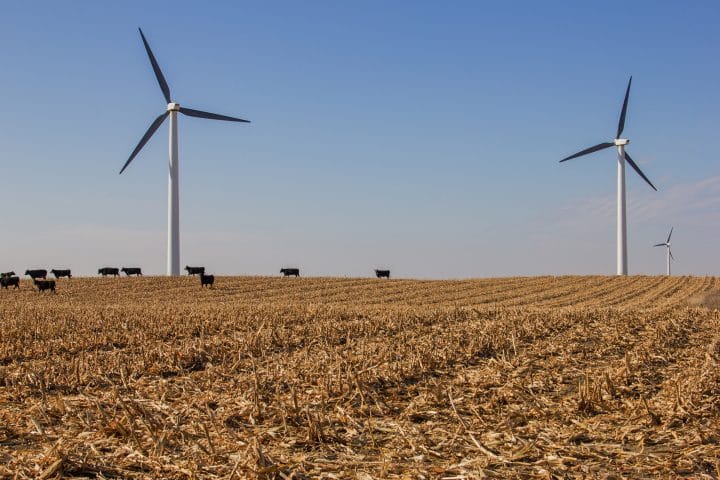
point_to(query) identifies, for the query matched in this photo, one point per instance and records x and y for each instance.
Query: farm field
(533, 377)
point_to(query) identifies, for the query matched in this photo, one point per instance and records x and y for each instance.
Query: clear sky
(418, 136)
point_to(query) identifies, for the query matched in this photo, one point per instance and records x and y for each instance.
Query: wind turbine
(173, 253)
(668, 253)
(623, 156)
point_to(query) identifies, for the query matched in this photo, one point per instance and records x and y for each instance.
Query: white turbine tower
(173, 252)
(623, 156)
(668, 252)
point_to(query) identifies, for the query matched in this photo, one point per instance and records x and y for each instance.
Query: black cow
(207, 280)
(195, 270)
(7, 274)
(290, 271)
(131, 271)
(43, 285)
(382, 273)
(61, 273)
(39, 273)
(105, 271)
(6, 282)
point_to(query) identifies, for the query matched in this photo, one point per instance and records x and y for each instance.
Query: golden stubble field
(538, 377)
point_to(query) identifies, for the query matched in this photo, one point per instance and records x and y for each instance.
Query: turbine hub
(618, 141)
(173, 107)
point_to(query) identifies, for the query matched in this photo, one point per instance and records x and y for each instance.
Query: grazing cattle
(207, 280)
(195, 270)
(131, 271)
(39, 273)
(6, 282)
(7, 274)
(61, 273)
(105, 271)
(382, 273)
(290, 272)
(43, 285)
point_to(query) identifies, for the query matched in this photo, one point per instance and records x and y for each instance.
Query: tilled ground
(548, 377)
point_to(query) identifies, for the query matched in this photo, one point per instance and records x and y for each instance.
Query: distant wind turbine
(173, 253)
(620, 143)
(668, 253)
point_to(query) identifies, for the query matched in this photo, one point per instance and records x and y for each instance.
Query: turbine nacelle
(173, 107)
(621, 142)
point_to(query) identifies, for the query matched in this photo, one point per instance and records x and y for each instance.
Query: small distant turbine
(173, 253)
(620, 143)
(668, 253)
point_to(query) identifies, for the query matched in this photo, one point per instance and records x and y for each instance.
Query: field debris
(537, 377)
(709, 299)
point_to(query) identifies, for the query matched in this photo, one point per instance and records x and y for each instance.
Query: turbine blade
(669, 235)
(158, 73)
(212, 116)
(671, 255)
(597, 147)
(637, 169)
(659, 245)
(621, 123)
(149, 133)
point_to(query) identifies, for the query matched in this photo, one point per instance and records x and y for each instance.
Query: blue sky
(419, 136)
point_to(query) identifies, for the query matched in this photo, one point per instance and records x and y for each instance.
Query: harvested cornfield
(541, 377)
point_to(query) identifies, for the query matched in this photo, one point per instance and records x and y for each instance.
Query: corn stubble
(544, 377)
